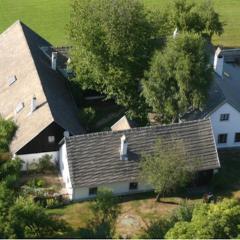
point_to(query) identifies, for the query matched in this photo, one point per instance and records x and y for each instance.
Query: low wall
(34, 157)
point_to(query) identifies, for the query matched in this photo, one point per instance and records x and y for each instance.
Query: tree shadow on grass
(102, 231)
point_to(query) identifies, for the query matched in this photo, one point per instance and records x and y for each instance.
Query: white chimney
(218, 62)
(54, 61)
(33, 104)
(175, 33)
(123, 149)
(66, 134)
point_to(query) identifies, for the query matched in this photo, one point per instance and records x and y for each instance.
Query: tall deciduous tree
(112, 42)
(167, 168)
(198, 17)
(179, 77)
(105, 210)
(210, 221)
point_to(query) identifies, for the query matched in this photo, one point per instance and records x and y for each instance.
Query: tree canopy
(105, 210)
(113, 45)
(197, 17)
(112, 42)
(167, 168)
(179, 77)
(210, 221)
(7, 131)
(29, 220)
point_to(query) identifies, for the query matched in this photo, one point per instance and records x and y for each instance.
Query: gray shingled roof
(95, 159)
(20, 56)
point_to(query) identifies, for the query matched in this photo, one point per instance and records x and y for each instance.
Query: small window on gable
(224, 117)
(222, 138)
(93, 191)
(19, 107)
(11, 80)
(51, 139)
(237, 137)
(133, 186)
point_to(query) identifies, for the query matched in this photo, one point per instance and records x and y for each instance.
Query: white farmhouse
(111, 159)
(34, 94)
(223, 105)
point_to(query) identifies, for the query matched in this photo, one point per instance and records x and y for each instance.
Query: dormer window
(224, 117)
(19, 107)
(11, 80)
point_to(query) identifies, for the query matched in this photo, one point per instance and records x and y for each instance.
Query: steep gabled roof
(20, 56)
(94, 159)
(122, 124)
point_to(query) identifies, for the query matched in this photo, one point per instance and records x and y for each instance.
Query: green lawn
(49, 17)
(142, 208)
(229, 11)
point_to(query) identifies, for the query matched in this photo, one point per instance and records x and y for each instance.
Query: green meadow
(50, 17)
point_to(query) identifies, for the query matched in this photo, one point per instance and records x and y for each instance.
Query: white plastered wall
(118, 188)
(34, 157)
(230, 126)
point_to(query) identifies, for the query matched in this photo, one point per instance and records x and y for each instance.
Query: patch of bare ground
(136, 215)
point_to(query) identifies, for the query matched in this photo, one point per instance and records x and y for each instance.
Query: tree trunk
(158, 197)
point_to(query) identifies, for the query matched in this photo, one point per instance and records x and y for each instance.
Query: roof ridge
(19, 25)
(10, 27)
(138, 129)
(34, 64)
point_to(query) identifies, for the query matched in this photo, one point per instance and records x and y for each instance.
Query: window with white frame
(51, 139)
(224, 117)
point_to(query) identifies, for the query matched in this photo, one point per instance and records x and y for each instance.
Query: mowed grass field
(47, 17)
(50, 17)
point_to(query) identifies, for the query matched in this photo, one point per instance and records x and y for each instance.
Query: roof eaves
(215, 109)
(15, 150)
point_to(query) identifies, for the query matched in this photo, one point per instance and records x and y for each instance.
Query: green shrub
(33, 166)
(54, 202)
(88, 115)
(10, 171)
(45, 164)
(158, 228)
(36, 183)
(7, 131)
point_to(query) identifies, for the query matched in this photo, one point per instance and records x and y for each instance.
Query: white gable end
(226, 124)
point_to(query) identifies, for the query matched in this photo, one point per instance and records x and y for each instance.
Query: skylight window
(11, 80)
(19, 107)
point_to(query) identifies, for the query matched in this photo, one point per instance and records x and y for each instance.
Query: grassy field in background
(229, 11)
(49, 17)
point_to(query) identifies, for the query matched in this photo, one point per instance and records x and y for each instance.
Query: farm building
(34, 95)
(111, 159)
(223, 104)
